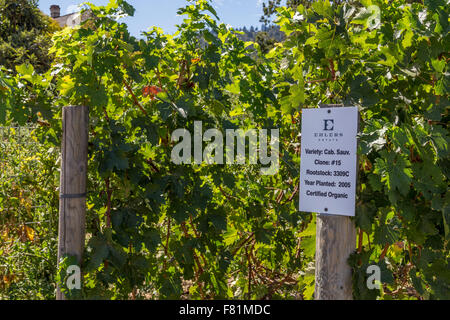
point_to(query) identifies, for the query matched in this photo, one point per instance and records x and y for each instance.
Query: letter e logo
(74, 280)
(374, 280)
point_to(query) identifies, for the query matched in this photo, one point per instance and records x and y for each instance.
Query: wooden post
(335, 241)
(72, 203)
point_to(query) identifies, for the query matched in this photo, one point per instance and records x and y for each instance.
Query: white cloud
(72, 8)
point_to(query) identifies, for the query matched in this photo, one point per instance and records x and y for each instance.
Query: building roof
(72, 19)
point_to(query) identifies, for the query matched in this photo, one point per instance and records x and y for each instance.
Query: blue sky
(163, 13)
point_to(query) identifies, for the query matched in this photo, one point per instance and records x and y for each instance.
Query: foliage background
(25, 35)
(157, 230)
(28, 215)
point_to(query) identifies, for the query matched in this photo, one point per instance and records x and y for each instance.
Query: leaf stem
(383, 254)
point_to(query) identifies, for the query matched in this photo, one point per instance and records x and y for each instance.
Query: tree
(265, 41)
(160, 229)
(25, 34)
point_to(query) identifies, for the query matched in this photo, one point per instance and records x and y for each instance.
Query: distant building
(68, 20)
